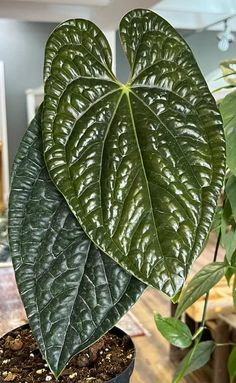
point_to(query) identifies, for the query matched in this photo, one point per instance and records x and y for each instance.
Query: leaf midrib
(72, 307)
(147, 183)
(102, 150)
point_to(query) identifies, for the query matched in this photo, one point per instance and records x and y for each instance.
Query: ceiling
(182, 14)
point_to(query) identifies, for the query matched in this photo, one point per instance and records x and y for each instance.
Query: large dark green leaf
(228, 112)
(141, 165)
(72, 293)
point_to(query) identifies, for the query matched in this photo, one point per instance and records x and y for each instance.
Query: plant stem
(204, 310)
(217, 246)
(198, 334)
(207, 295)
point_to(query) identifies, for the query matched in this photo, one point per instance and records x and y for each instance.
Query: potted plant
(114, 186)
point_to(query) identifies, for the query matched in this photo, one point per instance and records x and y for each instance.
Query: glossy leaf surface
(196, 358)
(72, 293)
(141, 165)
(200, 284)
(175, 331)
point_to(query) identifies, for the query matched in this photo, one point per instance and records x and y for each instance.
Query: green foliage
(228, 68)
(198, 332)
(216, 224)
(230, 189)
(175, 298)
(234, 291)
(200, 284)
(72, 293)
(229, 274)
(224, 224)
(228, 112)
(141, 164)
(228, 212)
(196, 358)
(226, 220)
(135, 172)
(175, 331)
(232, 365)
(228, 233)
(229, 243)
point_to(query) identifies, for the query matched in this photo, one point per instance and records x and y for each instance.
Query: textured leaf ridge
(141, 165)
(72, 293)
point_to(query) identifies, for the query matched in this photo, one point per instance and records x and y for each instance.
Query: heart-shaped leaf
(141, 165)
(72, 293)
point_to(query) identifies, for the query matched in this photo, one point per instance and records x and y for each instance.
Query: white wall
(3, 136)
(22, 52)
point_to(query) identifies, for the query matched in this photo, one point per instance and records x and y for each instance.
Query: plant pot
(123, 377)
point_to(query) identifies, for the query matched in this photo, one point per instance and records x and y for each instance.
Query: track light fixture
(225, 38)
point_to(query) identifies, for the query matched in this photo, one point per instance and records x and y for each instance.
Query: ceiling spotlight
(225, 38)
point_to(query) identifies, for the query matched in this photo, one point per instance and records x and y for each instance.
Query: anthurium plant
(114, 186)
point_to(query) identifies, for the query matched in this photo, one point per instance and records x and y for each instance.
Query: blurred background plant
(225, 220)
(224, 225)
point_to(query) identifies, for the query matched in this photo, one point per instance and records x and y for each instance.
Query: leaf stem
(217, 246)
(207, 295)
